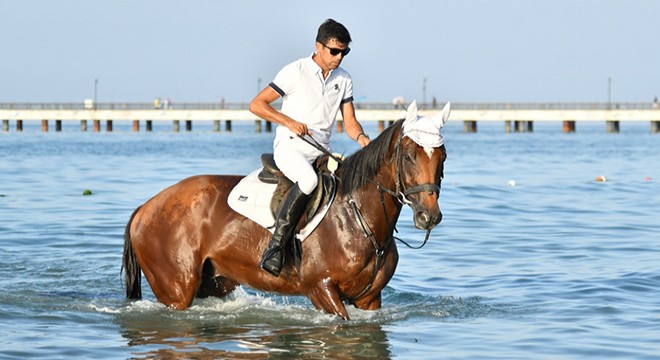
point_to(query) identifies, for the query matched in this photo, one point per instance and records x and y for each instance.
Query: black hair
(331, 29)
(366, 162)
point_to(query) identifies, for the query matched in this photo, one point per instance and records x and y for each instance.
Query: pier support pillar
(612, 127)
(83, 125)
(176, 125)
(523, 126)
(150, 125)
(470, 126)
(340, 126)
(5, 125)
(381, 125)
(569, 126)
(518, 126)
(96, 126)
(19, 125)
(136, 125)
(507, 126)
(189, 125)
(269, 126)
(257, 126)
(655, 127)
(44, 125)
(228, 125)
(108, 125)
(58, 125)
(216, 125)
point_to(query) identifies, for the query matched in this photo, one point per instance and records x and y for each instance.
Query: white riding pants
(294, 157)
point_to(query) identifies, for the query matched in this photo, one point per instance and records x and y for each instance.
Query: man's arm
(261, 107)
(353, 128)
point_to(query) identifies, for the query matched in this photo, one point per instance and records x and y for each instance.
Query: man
(313, 90)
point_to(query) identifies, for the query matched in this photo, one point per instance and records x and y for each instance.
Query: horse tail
(133, 274)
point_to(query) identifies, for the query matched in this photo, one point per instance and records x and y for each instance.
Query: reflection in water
(248, 326)
(154, 336)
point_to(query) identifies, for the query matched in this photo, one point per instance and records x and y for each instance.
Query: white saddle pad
(251, 198)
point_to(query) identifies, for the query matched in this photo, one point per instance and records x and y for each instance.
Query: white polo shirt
(310, 99)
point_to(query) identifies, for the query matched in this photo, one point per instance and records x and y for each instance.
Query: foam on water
(249, 306)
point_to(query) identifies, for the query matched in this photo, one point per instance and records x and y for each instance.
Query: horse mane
(364, 164)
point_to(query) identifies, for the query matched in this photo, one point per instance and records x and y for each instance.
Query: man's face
(332, 53)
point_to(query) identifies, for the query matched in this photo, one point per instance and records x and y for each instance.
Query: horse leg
(212, 285)
(369, 303)
(325, 296)
(176, 291)
(218, 286)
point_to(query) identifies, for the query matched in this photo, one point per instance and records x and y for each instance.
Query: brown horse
(190, 243)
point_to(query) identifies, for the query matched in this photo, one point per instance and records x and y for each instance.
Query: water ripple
(551, 265)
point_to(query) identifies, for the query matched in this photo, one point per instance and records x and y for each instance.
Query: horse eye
(407, 158)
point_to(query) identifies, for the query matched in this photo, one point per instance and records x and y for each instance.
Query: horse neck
(378, 203)
(376, 200)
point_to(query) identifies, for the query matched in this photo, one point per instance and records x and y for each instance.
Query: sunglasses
(335, 51)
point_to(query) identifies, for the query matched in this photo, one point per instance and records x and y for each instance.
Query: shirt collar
(316, 68)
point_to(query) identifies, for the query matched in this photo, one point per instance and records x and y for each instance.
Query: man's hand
(298, 128)
(363, 139)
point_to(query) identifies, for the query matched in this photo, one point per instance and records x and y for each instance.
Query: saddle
(271, 174)
(323, 194)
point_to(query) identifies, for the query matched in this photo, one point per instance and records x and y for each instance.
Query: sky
(450, 50)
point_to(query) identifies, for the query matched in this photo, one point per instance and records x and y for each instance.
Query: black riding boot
(287, 218)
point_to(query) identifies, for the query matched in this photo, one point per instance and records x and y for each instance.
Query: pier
(516, 117)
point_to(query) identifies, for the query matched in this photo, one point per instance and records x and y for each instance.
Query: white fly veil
(425, 131)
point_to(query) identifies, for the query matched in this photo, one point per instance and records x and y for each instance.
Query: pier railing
(517, 117)
(358, 105)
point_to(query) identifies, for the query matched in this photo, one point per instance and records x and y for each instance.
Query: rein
(400, 194)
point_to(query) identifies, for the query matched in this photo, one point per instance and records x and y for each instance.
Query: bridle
(400, 193)
(400, 184)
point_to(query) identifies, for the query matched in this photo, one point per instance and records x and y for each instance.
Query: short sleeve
(348, 94)
(285, 79)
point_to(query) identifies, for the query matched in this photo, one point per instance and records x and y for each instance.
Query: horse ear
(411, 113)
(441, 118)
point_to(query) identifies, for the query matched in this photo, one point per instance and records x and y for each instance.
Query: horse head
(420, 164)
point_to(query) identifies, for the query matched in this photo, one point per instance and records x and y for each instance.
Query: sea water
(549, 248)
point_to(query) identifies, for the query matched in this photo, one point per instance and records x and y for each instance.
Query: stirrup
(269, 262)
(272, 260)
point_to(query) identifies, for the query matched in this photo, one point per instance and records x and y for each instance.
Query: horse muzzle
(424, 202)
(426, 219)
